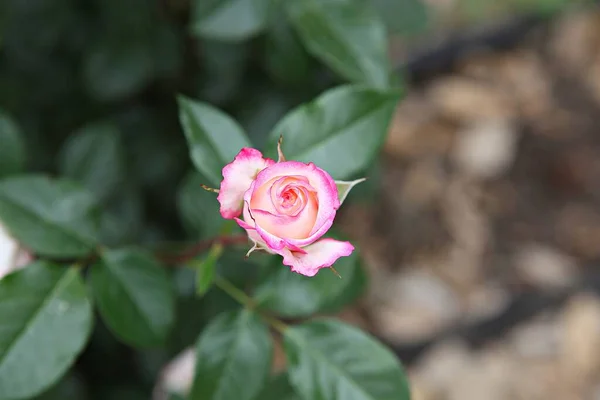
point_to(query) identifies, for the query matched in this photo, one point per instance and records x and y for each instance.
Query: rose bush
(287, 206)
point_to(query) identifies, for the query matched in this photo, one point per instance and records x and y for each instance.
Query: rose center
(288, 198)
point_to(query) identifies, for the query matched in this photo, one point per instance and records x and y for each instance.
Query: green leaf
(46, 320)
(404, 17)
(334, 361)
(347, 35)
(94, 156)
(285, 58)
(213, 137)
(54, 218)
(198, 208)
(134, 295)
(229, 19)
(344, 188)
(115, 69)
(278, 388)
(289, 294)
(341, 131)
(205, 269)
(12, 148)
(233, 358)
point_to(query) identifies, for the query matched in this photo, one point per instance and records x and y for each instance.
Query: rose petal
(321, 254)
(322, 183)
(237, 178)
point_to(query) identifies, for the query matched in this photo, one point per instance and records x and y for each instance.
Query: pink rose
(287, 206)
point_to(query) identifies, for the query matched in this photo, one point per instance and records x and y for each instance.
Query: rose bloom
(286, 208)
(12, 256)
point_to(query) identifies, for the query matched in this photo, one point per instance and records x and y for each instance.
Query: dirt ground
(483, 247)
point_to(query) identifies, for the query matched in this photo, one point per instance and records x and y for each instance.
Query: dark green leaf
(123, 217)
(12, 148)
(341, 131)
(334, 361)
(233, 358)
(223, 66)
(54, 218)
(278, 388)
(114, 70)
(286, 59)
(213, 137)
(289, 294)
(198, 209)
(229, 19)
(134, 295)
(94, 156)
(46, 320)
(347, 35)
(405, 17)
(206, 268)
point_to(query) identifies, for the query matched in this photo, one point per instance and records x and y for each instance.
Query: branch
(203, 245)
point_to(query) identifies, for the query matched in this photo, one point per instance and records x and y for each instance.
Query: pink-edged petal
(323, 184)
(243, 224)
(271, 241)
(321, 254)
(237, 178)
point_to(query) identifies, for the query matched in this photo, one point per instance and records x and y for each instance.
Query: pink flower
(286, 208)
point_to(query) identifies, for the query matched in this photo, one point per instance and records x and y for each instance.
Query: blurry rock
(469, 229)
(416, 130)
(537, 339)
(412, 305)
(580, 350)
(486, 301)
(575, 41)
(423, 183)
(12, 255)
(177, 377)
(545, 267)
(489, 377)
(593, 77)
(578, 229)
(466, 100)
(529, 80)
(486, 149)
(437, 369)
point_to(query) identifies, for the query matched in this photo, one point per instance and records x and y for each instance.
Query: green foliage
(405, 17)
(206, 269)
(347, 35)
(213, 137)
(46, 320)
(229, 19)
(199, 212)
(134, 296)
(101, 107)
(55, 218)
(278, 388)
(94, 156)
(12, 150)
(233, 357)
(295, 295)
(330, 360)
(340, 131)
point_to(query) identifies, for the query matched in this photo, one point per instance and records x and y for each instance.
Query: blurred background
(480, 225)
